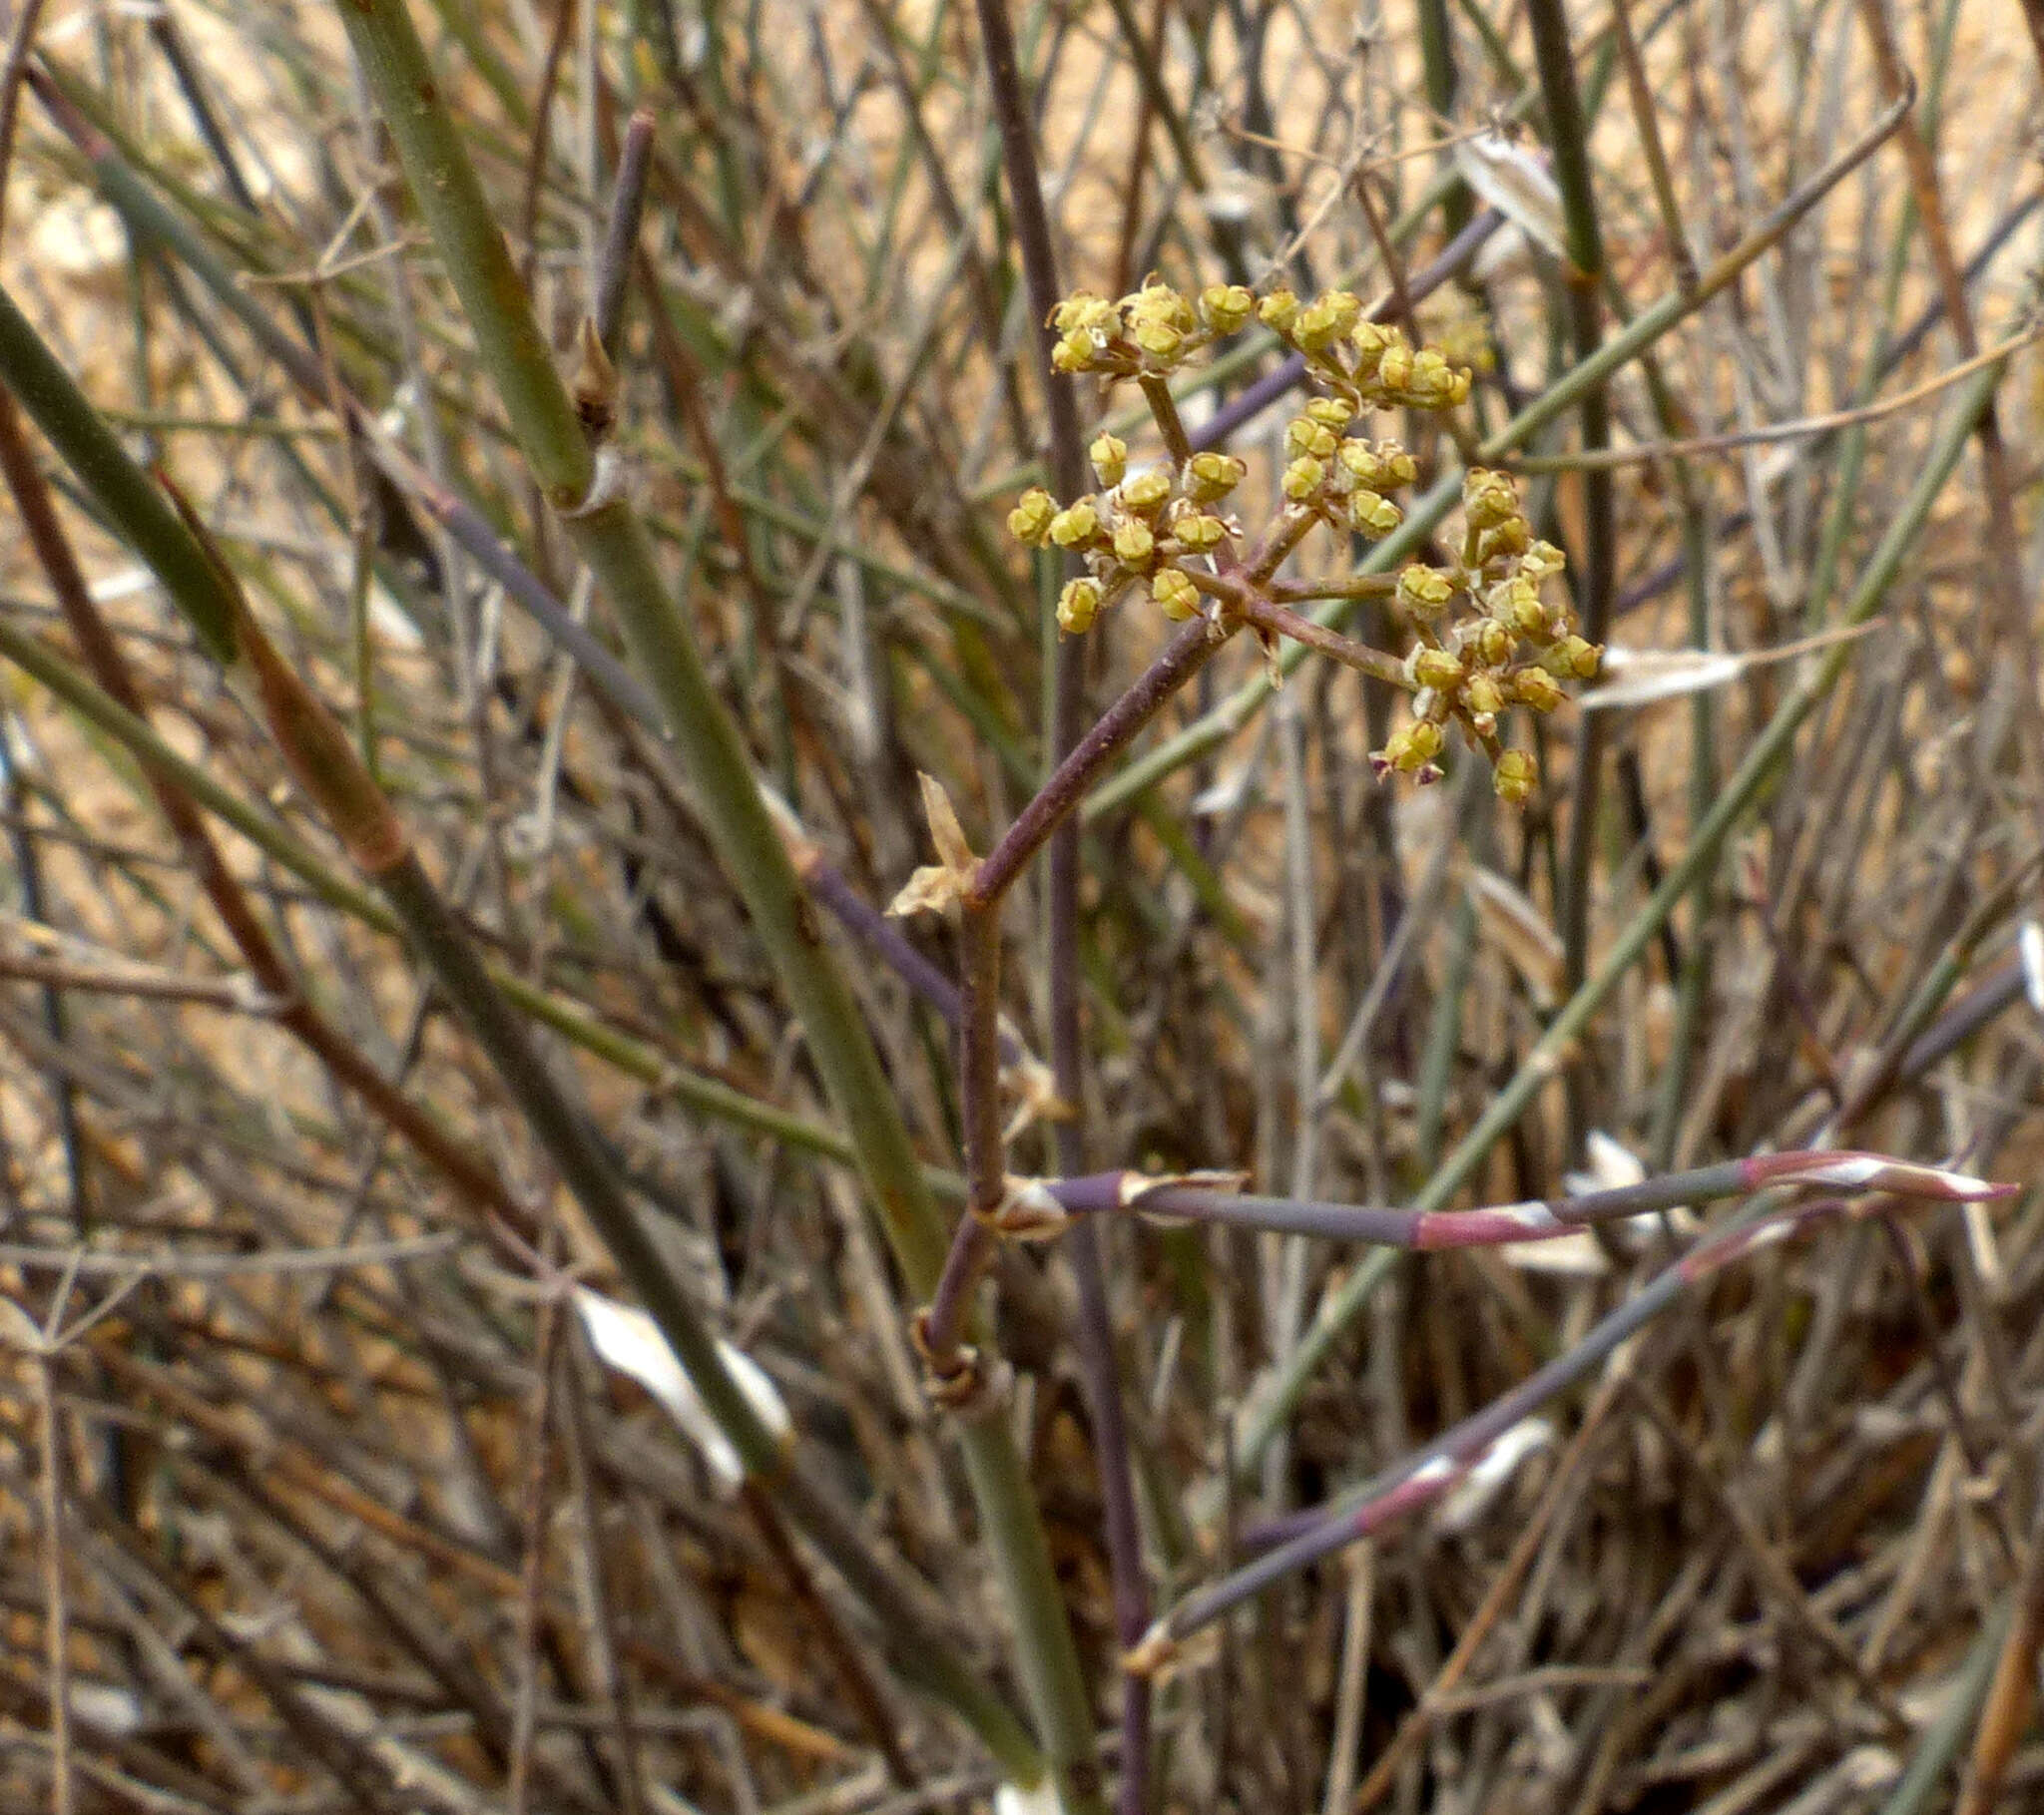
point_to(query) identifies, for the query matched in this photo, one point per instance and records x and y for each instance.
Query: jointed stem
(1422, 1477)
(1096, 1335)
(616, 547)
(1505, 1225)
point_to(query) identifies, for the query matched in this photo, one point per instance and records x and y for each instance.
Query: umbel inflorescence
(1484, 637)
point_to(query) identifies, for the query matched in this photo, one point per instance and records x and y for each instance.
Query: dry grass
(381, 1533)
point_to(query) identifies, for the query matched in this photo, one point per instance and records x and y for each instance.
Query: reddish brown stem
(1183, 657)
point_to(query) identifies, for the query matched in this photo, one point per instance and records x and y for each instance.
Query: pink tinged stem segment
(1497, 1226)
(1428, 1473)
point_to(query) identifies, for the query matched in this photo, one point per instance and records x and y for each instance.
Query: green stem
(587, 1171)
(612, 541)
(326, 764)
(1569, 138)
(702, 1094)
(122, 488)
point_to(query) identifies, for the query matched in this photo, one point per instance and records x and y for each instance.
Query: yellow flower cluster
(1143, 529)
(1164, 529)
(1343, 478)
(1507, 647)
(1368, 365)
(1152, 329)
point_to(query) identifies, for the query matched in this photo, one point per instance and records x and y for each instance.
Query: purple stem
(1965, 1018)
(621, 231)
(888, 942)
(1282, 620)
(1068, 710)
(979, 1093)
(1431, 1470)
(1534, 1220)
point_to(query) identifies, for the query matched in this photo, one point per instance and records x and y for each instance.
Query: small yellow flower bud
(1146, 491)
(1077, 605)
(1133, 545)
(1081, 309)
(1484, 695)
(1507, 539)
(1160, 301)
(1226, 306)
(1110, 457)
(1433, 380)
(1336, 413)
(1278, 310)
(1436, 668)
(1541, 560)
(1199, 533)
(1030, 520)
(1536, 688)
(1075, 526)
(1394, 369)
(1370, 343)
(1159, 339)
(1383, 466)
(1326, 321)
(1362, 462)
(1072, 354)
(1212, 476)
(1516, 605)
(1302, 435)
(1303, 478)
(1488, 498)
(1424, 589)
(1515, 776)
(1176, 595)
(1583, 658)
(1411, 748)
(1372, 515)
(1491, 644)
